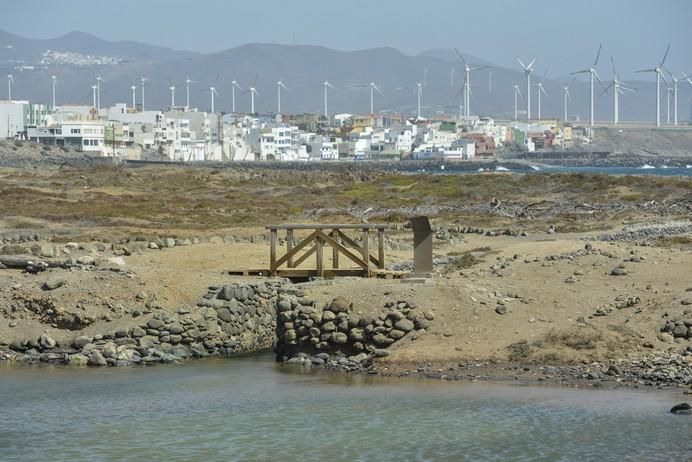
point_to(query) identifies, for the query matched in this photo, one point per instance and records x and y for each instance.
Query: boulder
(224, 314)
(96, 359)
(682, 409)
(46, 342)
(80, 341)
(77, 360)
(340, 338)
(340, 305)
(404, 325)
(53, 283)
(155, 324)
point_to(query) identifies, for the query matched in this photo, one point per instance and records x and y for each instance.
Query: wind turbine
(373, 88)
(93, 90)
(172, 89)
(212, 92)
(99, 79)
(619, 88)
(567, 97)
(659, 74)
(419, 91)
(279, 86)
(10, 81)
(527, 71)
(467, 82)
(517, 93)
(253, 92)
(187, 91)
(541, 90)
(234, 85)
(592, 72)
(143, 80)
(134, 99)
(675, 96)
(53, 79)
(327, 85)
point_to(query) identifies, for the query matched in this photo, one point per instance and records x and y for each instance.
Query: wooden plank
(272, 248)
(353, 244)
(289, 247)
(304, 257)
(294, 251)
(365, 246)
(327, 273)
(330, 226)
(320, 255)
(335, 252)
(380, 248)
(342, 249)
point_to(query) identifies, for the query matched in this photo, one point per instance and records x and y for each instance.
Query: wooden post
(289, 246)
(380, 248)
(272, 248)
(335, 251)
(365, 247)
(320, 263)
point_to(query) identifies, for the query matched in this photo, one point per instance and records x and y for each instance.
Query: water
(645, 170)
(253, 409)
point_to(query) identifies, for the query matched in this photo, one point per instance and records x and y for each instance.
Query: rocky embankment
(226, 320)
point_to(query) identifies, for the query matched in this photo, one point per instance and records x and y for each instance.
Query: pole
(278, 101)
(616, 109)
(54, 92)
(233, 98)
(658, 98)
(528, 96)
(675, 103)
(187, 85)
(668, 105)
(591, 102)
(372, 103)
(326, 113)
(539, 103)
(419, 92)
(142, 95)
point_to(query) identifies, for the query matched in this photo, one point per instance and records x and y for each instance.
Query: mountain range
(77, 58)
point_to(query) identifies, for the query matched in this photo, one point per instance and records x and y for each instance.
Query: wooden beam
(328, 226)
(272, 248)
(294, 251)
(335, 252)
(353, 244)
(380, 248)
(327, 273)
(289, 247)
(320, 255)
(304, 257)
(342, 249)
(366, 248)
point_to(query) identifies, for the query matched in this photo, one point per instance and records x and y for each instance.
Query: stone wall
(337, 336)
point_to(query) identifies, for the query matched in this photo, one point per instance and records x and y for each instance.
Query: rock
(686, 301)
(617, 271)
(96, 359)
(340, 305)
(680, 331)
(283, 306)
(429, 315)
(153, 246)
(109, 350)
(379, 339)
(141, 296)
(224, 314)
(119, 261)
(328, 327)
(501, 309)
(46, 342)
(85, 260)
(54, 283)
(138, 332)
(396, 334)
(80, 341)
(340, 338)
(381, 352)
(328, 316)
(665, 337)
(47, 251)
(404, 325)
(77, 360)
(682, 409)
(155, 324)
(290, 335)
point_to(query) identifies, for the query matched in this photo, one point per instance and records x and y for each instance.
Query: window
(75, 131)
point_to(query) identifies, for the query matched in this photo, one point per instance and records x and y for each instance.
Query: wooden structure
(319, 237)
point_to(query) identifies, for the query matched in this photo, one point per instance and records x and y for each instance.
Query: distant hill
(303, 69)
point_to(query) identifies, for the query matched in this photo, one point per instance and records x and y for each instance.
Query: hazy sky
(562, 35)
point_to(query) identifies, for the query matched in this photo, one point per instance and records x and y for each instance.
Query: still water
(252, 409)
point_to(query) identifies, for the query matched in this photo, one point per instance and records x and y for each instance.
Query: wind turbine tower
(540, 90)
(212, 91)
(327, 85)
(53, 79)
(279, 86)
(253, 92)
(143, 80)
(10, 81)
(592, 73)
(619, 88)
(517, 94)
(419, 91)
(234, 85)
(187, 91)
(527, 71)
(99, 79)
(172, 89)
(567, 97)
(373, 88)
(134, 99)
(659, 74)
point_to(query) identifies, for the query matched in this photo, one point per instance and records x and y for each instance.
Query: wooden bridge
(362, 262)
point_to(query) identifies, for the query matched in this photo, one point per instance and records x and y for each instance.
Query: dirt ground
(539, 297)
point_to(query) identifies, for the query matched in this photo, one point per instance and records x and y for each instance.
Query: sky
(563, 36)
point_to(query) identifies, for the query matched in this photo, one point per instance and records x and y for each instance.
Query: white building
(84, 135)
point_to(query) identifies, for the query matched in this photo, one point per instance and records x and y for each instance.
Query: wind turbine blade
(663, 76)
(598, 55)
(597, 77)
(460, 57)
(522, 64)
(646, 70)
(585, 71)
(378, 90)
(479, 68)
(665, 56)
(543, 90)
(612, 63)
(605, 89)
